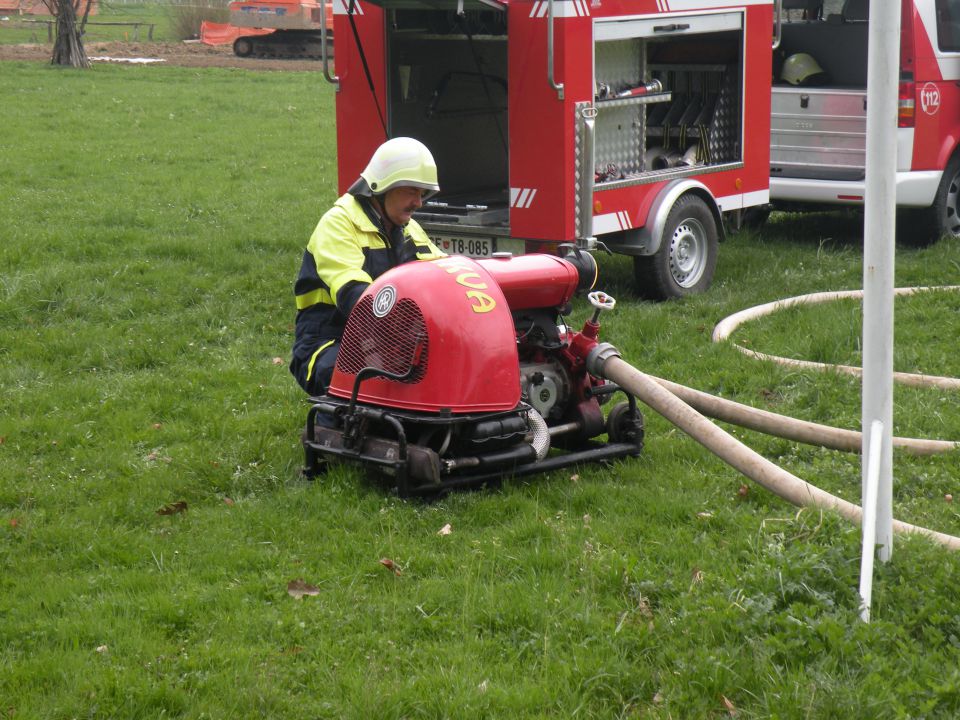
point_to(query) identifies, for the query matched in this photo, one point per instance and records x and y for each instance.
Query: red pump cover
(447, 317)
(534, 281)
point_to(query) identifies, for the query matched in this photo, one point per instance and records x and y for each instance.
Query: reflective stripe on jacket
(348, 250)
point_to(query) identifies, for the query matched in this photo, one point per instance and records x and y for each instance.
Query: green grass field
(169, 22)
(153, 220)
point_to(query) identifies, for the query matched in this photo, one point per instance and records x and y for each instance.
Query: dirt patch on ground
(189, 54)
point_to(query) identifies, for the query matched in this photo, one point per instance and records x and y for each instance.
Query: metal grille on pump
(392, 343)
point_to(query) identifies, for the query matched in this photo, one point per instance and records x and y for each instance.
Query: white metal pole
(870, 521)
(883, 66)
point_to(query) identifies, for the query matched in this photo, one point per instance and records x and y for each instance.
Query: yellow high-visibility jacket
(348, 250)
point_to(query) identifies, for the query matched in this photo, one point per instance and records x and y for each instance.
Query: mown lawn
(152, 512)
(16, 29)
(120, 22)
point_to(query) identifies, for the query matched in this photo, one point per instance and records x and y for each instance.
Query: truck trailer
(628, 125)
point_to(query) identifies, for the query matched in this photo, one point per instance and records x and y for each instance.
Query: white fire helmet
(800, 69)
(401, 162)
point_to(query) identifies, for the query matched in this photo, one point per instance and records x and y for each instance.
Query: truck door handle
(324, 59)
(673, 27)
(558, 87)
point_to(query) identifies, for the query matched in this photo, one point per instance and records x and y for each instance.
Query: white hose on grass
(799, 430)
(739, 456)
(680, 405)
(725, 328)
(790, 428)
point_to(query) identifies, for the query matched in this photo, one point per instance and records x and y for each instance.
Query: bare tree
(68, 47)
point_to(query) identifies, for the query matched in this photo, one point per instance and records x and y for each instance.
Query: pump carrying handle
(550, 76)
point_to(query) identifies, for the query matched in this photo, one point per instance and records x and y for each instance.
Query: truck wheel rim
(688, 253)
(951, 221)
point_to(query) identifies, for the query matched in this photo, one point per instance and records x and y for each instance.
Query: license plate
(471, 247)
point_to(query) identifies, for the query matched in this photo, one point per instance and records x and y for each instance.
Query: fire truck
(819, 123)
(628, 125)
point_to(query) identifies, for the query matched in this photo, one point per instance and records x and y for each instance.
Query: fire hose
(791, 428)
(606, 363)
(680, 405)
(726, 327)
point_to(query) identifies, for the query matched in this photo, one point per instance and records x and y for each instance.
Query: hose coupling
(598, 357)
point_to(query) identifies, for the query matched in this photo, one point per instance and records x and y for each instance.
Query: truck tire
(687, 257)
(946, 204)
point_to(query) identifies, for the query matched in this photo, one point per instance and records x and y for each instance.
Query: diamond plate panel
(619, 140)
(618, 62)
(724, 134)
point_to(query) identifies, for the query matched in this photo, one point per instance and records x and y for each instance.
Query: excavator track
(282, 44)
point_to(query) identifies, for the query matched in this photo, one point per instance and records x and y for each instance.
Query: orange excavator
(296, 25)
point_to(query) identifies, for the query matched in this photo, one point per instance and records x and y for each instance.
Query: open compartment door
(447, 86)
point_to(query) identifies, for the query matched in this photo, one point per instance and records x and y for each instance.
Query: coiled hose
(739, 456)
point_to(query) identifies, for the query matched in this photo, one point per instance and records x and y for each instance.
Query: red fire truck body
(626, 122)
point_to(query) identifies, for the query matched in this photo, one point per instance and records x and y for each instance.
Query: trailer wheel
(624, 425)
(687, 257)
(243, 47)
(946, 204)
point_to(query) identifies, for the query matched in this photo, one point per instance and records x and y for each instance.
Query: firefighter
(367, 231)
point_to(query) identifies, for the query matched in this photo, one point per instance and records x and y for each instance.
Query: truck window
(948, 25)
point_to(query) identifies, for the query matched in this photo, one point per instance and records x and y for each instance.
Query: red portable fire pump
(638, 124)
(456, 372)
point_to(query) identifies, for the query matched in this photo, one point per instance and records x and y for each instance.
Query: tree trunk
(68, 47)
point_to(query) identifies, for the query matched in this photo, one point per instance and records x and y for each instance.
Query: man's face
(400, 203)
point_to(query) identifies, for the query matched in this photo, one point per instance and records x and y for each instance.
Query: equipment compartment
(448, 88)
(818, 133)
(667, 105)
(819, 128)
